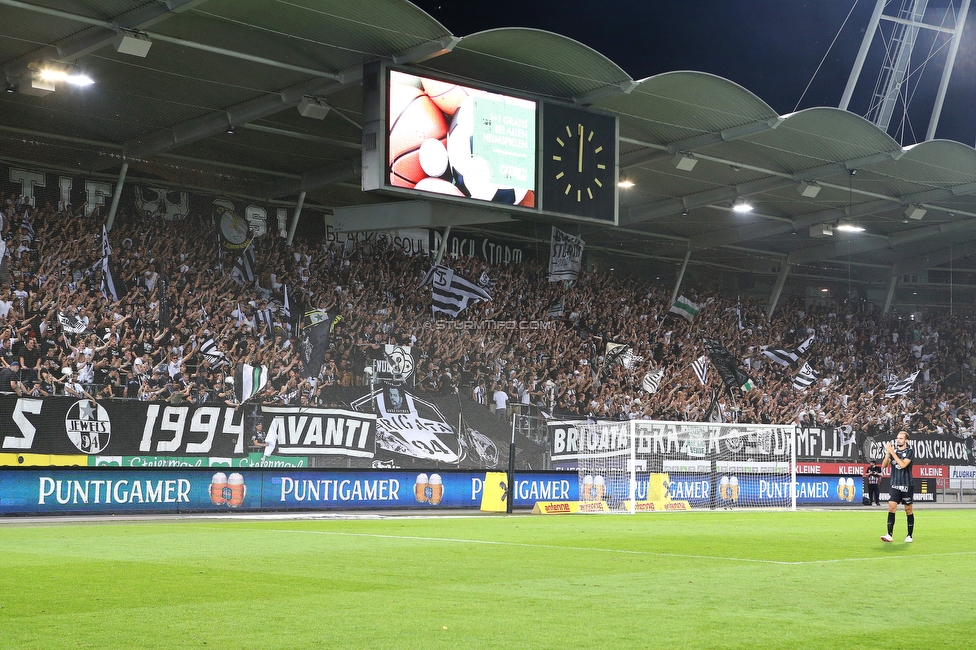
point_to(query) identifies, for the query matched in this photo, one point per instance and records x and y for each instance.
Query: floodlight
(741, 206)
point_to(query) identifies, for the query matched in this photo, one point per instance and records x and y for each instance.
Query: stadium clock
(579, 163)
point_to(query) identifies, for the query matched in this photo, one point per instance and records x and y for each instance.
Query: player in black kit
(900, 456)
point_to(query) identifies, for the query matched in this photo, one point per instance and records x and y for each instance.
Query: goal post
(644, 465)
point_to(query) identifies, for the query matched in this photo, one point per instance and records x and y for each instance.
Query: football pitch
(764, 579)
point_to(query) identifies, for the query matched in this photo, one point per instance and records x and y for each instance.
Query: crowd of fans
(183, 321)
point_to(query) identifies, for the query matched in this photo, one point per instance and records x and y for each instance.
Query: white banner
(565, 256)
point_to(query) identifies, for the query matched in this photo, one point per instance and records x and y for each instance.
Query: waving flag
(700, 366)
(451, 293)
(685, 308)
(805, 377)
(652, 380)
(727, 367)
(781, 356)
(901, 386)
(615, 354)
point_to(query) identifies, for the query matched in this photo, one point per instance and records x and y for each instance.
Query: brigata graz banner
(129, 428)
(673, 440)
(567, 439)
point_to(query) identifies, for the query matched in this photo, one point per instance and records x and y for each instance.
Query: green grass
(809, 579)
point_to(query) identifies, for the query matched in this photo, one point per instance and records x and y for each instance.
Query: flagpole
(110, 221)
(443, 248)
(681, 276)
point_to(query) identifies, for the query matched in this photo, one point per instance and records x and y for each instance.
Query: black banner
(838, 444)
(930, 449)
(66, 426)
(490, 250)
(813, 444)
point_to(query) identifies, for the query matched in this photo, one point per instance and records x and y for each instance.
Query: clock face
(579, 163)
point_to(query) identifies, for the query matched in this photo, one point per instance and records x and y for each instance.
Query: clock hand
(580, 148)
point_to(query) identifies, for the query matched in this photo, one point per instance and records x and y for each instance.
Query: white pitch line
(610, 550)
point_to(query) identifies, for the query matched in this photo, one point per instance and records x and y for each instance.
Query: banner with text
(112, 430)
(111, 490)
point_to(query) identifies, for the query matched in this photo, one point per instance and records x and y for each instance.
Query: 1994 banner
(124, 428)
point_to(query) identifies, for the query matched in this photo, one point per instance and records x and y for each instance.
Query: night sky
(770, 47)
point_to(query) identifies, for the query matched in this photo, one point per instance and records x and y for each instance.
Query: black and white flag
(781, 356)
(108, 284)
(805, 377)
(803, 347)
(556, 308)
(451, 293)
(214, 355)
(485, 282)
(652, 380)
(901, 386)
(264, 317)
(615, 354)
(629, 359)
(27, 225)
(313, 341)
(399, 361)
(565, 256)
(71, 324)
(244, 265)
(714, 412)
(700, 366)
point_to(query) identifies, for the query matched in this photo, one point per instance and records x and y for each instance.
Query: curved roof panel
(216, 64)
(532, 61)
(674, 106)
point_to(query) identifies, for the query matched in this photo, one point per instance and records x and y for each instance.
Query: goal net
(645, 465)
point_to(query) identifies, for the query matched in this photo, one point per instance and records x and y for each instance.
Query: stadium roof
(216, 66)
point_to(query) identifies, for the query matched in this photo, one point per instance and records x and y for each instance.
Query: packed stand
(183, 322)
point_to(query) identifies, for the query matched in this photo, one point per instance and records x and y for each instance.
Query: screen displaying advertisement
(49, 491)
(458, 141)
(52, 490)
(227, 489)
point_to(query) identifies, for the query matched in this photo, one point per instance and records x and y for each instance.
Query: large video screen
(454, 140)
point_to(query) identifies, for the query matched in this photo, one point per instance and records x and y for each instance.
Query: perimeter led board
(436, 137)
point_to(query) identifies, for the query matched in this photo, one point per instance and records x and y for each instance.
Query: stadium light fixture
(684, 161)
(624, 181)
(52, 72)
(131, 42)
(313, 107)
(849, 227)
(808, 189)
(915, 212)
(741, 206)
